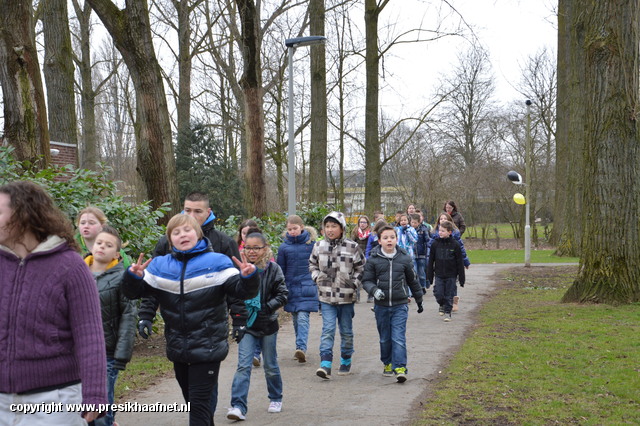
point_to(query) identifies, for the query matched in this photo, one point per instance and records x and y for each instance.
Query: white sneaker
(234, 413)
(275, 407)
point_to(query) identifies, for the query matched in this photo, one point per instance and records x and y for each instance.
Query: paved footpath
(363, 398)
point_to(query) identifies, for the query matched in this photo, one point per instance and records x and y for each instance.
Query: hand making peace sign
(245, 267)
(138, 268)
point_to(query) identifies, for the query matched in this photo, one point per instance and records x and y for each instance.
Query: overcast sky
(511, 30)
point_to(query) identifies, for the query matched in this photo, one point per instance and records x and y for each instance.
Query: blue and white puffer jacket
(192, 288)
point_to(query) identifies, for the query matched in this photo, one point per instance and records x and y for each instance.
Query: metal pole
(527, 189)
(292, 154)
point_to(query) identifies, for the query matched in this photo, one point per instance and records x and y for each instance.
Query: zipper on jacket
(13, 316)
(182, 314)
(390, 281)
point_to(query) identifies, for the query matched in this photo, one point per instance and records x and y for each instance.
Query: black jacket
(118, 315)
(273, 295)
(192, 289)
(394, 276)
(220, 243)
(445, 260)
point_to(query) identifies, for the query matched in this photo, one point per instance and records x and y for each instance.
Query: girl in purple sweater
(51, 341)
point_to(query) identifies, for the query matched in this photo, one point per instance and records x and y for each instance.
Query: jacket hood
(51, 243)
(339, 217)
(308, 235)
(377, 251)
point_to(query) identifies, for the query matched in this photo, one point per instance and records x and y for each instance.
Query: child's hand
(244, 266)
(378, 294)
(138, 268)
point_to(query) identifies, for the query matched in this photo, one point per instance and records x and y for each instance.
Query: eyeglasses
(365, 222)
(254, 248)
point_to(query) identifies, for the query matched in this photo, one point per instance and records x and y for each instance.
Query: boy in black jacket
(388, 276)
(445, 262)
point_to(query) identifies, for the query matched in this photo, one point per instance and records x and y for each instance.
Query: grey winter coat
(118, 315)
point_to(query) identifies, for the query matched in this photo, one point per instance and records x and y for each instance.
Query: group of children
(193, 286)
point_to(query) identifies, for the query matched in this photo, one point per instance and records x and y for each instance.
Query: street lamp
(291, 44)
(517, 179)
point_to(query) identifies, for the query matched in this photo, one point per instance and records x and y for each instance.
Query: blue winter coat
(293, 258)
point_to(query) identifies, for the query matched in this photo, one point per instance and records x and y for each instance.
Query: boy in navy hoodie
(446, 263)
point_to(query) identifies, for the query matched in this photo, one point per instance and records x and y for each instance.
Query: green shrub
(74, 189)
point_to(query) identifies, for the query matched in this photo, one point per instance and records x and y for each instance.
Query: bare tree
(58, 72)
(572, 92)
(609, 269)
(130, 30)
(318, 148)
(25, 112)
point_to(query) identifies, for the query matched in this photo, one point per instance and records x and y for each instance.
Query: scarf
(364, 234)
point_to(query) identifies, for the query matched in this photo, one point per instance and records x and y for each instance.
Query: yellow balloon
(519, 198)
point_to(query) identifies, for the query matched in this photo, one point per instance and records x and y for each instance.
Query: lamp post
(517, 179)
(291, 44)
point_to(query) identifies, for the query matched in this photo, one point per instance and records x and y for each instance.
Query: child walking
(446, 264)
(420, 253)
(336, 265)
(262, 327)
(118, 312)
(192, 284)
(388, 275)
(293, 259)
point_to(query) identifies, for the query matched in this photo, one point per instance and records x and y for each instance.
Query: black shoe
(324, 372)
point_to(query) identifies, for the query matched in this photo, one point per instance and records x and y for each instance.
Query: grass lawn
(516, 256)
(532, 360)
(148, 365)
(504, 231)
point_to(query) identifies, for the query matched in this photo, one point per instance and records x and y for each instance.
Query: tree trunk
(25, 112)
(89, 156)
(372, 200)
(59, 73)
(251, 83)
(570, 139)
(318, 148)
(130, 30)
(609, 267)
(184, 72)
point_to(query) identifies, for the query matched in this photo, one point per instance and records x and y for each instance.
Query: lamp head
(304, 41)
(515, 177)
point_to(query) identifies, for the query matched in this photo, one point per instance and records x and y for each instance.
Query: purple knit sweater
(50, 323)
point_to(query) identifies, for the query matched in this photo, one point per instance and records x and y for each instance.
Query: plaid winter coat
(336, 266)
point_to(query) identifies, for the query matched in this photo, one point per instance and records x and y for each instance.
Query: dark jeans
(444, 290)
(197, 382)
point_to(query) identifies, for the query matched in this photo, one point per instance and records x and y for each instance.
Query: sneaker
(324, 372)
(300, 355)
(344, 370)
(275, 406)
(234, 413)
(401, 374)
(447, 317)
(256, 361)
(388, 370)
(456, 299)
(440, 311)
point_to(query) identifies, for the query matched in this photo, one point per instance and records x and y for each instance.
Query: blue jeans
(444, 290)
(392, 328)
(344, 315)
(301, 327)
(421, 266)
(242, 378)
(112, 376)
